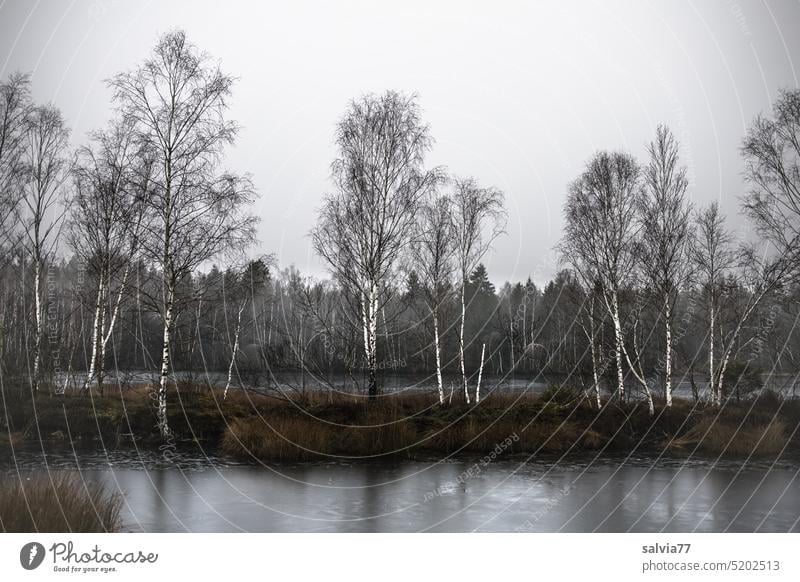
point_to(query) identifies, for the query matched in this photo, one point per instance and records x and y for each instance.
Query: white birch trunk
(619, 345)
(365, 325)
(461, 342)
(37, 290)
(595, 379)
(480, 374)
(668, 355)
(95, 336)
(721, 375)
(727, 350)
(99, 371)
(106, 335)
(593, 350)
(711, 378)
(370, 321)
(163, 424)
(234, 352)
(642, 380)
(373, 330)
(437, 348)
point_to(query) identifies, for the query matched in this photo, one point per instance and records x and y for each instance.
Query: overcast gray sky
(518, 95)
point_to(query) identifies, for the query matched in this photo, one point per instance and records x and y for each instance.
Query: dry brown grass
(59, 502)
(727, 437)
(296, 436)
(412, 423)
(318, 423)
(403, 424)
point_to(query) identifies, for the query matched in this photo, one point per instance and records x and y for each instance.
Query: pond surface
(206, 493)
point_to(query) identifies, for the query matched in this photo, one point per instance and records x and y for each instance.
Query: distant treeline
(527, 329)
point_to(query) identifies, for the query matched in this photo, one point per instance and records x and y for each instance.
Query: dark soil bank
(317, 426)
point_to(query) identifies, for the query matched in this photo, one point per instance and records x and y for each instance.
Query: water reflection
(210, 494)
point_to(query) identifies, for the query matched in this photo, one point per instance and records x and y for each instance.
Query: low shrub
(57, 502)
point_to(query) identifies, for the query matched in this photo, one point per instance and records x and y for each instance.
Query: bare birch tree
(367, 223)
(714, 257)
(600, 233)
(15, 104)
(479, 217)
(177, 100)
(107, 217)
(772, 156)
(47, 165)
(665, 235)
(433, 253)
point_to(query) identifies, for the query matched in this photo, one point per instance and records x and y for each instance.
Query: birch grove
(106, 222)
(125, 253)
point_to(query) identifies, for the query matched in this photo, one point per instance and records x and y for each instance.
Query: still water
(206, 493)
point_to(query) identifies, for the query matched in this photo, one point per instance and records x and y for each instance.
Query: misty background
(518, 96)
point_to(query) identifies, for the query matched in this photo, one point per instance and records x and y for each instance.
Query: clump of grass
(726, 437)
(403, 425)
(59, 502)
(301, 437)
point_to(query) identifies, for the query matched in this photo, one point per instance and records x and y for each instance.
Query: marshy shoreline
(256, 427)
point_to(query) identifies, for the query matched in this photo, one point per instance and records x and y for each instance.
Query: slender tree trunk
(102, 336)
(371, 339)
(639, 375)
(668, 354)
(37, 290)
(513, 361)
(721, 375)
(711, 377)
(139, 326)
(461, 342)
(95, 336)
(107, 332)
(234, 352)
(480, 374)
(269, 332)
(437, 348)
(728, 349)
(619, 343)
(595, 379)
(163, 424)
(593, 350)
(524, 328)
